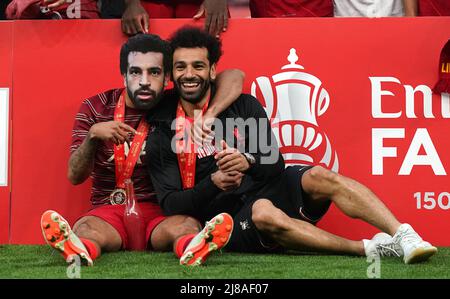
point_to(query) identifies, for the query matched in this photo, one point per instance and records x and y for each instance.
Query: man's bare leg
(102, 234)
(357, 201)
(297, 234)
(165, 236)
(90, 237)
(352, 198)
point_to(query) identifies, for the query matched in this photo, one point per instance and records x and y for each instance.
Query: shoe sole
(188, 256)
(420, 255)
(58, 240)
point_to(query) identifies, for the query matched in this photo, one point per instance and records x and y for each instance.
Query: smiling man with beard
(105, 146)
(192, 87)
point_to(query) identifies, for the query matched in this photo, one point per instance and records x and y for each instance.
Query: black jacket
(205, 200)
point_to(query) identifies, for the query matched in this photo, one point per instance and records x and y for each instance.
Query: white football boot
(415, 249)
(380, 245)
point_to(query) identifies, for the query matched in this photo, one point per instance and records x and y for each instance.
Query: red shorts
(163, 9)
(114, 215)
(291, 8)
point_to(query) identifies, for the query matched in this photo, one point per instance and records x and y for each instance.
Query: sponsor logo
(294, 100)
(244, 225)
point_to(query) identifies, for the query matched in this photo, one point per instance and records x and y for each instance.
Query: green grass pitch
(34, 261)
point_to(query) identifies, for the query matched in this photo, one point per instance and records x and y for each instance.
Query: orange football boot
(214, 236)
(57, 234)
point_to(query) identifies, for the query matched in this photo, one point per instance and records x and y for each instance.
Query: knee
(85, 230)
(82, 228)
(164, 236)
(322, 180)
(267, 218)
(103, 234)
(320, 173)
(189, 225)
(180, 225)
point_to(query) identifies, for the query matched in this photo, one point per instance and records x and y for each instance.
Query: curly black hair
(144, 43)
(193, 37)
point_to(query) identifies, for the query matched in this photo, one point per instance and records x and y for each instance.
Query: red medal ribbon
(186, 152)
(124, 168)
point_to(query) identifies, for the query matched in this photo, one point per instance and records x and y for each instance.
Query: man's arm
(54, 4)
(81, 162)
(134, 19)
(229, 85)
(410, 8)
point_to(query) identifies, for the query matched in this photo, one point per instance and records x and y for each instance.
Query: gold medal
(118, 197)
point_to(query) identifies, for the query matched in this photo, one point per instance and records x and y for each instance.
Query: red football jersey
(289, 8)
(434, 8)
(100, 108)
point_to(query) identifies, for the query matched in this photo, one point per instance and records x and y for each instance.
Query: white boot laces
(388, 249)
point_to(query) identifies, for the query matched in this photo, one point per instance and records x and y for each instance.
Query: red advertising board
(352, 94)
(5, 127)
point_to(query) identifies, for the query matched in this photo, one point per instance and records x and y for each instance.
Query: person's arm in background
(52, 4)
(134, 19)
(410, 8)
(14, 10)
(216, 13)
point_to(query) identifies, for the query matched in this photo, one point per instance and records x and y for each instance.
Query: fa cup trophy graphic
(293, 100)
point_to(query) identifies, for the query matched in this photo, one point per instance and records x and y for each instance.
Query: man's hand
(111, 131)
(201, 130)
(230, 159)
(227, 181)
(216, 12)
(134, 19)
(55, 3)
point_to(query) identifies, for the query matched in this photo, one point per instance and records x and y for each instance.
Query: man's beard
(144, 104)
(193, 97)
